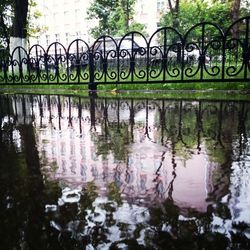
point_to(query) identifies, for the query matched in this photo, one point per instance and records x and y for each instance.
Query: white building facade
(148, 12)
(66, 20)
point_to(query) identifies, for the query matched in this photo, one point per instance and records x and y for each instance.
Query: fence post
(92, 85)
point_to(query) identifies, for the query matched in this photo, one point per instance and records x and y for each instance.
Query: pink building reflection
(149, 174)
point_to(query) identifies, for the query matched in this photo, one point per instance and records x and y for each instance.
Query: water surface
(91, 173)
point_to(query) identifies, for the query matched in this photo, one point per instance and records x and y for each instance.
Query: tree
(235, 14)
(18, 19)
(174, 7)
(192, 12)
(5, 6)
(184, 14)
(19, 28)
(4, 40)
(34, 28)
(14, 21)
(115, 17)
(18, 34)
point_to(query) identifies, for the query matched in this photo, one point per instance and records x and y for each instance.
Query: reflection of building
(150, 172)
(76, 145)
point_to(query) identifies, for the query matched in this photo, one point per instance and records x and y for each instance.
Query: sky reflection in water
(115, 173)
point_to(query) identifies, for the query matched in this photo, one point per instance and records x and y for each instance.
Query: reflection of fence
(204, 53)
(172, 122)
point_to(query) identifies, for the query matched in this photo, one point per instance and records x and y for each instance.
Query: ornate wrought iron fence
(205, 53)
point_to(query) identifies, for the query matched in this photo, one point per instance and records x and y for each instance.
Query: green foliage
(5, 7)
(89, 195)
(34, 28)
(116, 142)
(114, 193)
(115, 17)
(5, 4)
(195, 11)
(8, 11)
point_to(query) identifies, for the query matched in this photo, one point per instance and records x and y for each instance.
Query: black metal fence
(205, 53)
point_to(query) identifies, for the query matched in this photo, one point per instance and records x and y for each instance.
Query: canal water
(92, 173)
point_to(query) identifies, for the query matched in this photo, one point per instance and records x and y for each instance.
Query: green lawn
(219, 91)
(195, 88)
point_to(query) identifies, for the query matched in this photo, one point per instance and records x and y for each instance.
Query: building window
(158, 8)
(66, 15)
(56, 18)
(78, 34)
(55, 4)
(67, 38)
(160, 5)
(142, 8)
(77, 15)
(47, 40)
(57, 37)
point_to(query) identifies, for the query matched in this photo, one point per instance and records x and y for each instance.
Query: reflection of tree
(219, 125)
(170, 230)
(114, 138)
(242, 118)
(22, 189)
(116, 141)
(88, 196)
(36, 204)
(188, 125)
(68, 221)
(13, 195)
(114, 193)
(180, 128)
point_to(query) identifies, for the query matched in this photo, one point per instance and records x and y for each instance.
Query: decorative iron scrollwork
(203, 53)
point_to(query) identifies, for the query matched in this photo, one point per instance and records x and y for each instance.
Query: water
(86, 173)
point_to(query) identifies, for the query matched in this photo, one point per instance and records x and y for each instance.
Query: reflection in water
(100, 173)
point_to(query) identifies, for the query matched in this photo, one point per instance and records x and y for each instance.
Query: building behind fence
(204, 53)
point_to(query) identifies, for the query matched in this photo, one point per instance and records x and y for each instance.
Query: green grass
(195, 89)
(219, 91)
(178, 86)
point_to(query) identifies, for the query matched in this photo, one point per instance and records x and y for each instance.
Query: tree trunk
(5, 33)
(175, 14)
(19, 34)
(127, 16)
(20, 18)
(174, 9)
(235, 14)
